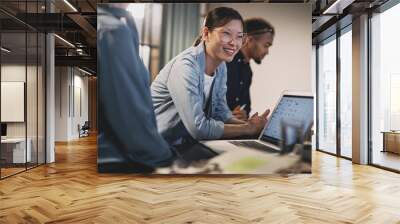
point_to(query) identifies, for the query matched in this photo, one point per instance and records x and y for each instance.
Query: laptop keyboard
(254, 145)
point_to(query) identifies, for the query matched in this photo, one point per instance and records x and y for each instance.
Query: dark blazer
(238, 83)
(128, 140)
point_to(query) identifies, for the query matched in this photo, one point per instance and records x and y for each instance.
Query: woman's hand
(236, 128)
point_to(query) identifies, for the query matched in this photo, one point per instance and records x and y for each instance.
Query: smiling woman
(189, 92)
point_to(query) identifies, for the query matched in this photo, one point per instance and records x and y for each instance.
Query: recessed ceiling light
(65, 41)
(84, 71)
(337, 7)
(70, 5)
(5, 50)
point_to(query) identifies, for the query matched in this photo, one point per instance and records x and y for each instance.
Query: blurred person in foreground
(128, 140)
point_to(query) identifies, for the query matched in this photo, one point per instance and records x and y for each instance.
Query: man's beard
(257, 61)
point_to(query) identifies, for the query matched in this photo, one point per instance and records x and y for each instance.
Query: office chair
(84, 130)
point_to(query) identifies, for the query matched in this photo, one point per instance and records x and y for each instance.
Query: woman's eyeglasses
(227, 36)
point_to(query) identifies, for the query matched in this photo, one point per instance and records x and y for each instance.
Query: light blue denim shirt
(178, 98)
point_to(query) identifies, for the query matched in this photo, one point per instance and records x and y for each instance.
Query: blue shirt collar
(200, 54)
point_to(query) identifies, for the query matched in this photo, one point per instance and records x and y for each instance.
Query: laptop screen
(296, 113)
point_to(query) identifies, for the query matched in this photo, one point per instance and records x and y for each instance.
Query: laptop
(294, 109)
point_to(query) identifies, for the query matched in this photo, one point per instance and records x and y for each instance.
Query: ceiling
(330, 16)
(76, 25)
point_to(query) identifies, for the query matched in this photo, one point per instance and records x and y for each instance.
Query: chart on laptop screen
(296, 111)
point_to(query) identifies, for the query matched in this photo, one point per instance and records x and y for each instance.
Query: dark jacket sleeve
(247, 97)
(129, 131)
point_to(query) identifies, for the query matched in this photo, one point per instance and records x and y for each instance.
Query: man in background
(260, 35)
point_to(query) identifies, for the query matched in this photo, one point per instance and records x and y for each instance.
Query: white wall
(61, 103)
(33, 127)
(70, 88)
(288, 65)
(15, 72)
(79, 117)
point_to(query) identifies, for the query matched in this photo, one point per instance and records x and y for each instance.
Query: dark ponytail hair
(197, 41)
(219, 17)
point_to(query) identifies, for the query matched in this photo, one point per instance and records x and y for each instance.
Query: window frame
(378, 10)
(333, 37)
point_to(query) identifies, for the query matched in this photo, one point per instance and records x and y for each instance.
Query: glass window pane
(138, 11)
(31, 97)
(23, 88)
(41, 98)
(386, 88)
(346, 94)
(314, 80)
(144, 53)
(13, 86)
(156, 21)
(327, 96)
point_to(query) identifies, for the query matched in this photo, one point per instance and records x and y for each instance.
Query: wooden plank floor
(387, 159)
(71, 191)
(10, 171)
